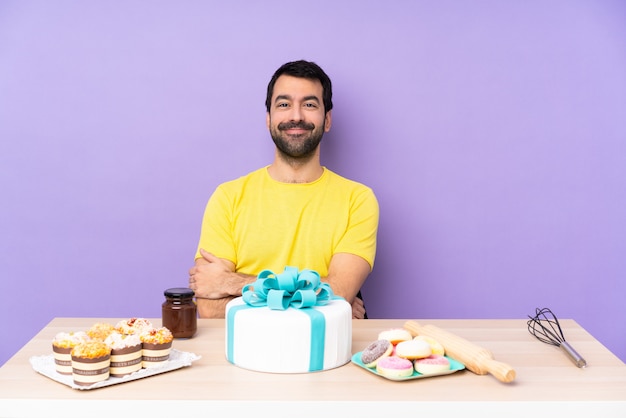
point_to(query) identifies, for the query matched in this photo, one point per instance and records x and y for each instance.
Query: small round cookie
(375, 351)
(435, 345)
(395, 335)
(432, 364)
(413, 349)
(394, 367)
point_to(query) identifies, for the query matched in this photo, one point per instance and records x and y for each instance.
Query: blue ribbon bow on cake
(291, 288)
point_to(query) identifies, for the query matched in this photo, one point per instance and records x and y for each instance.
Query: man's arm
(215, 283)
(346, 274)
(212, 308)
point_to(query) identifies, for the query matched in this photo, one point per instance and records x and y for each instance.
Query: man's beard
(297, 146)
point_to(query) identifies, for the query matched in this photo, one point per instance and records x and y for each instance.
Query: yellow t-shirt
(259, 223)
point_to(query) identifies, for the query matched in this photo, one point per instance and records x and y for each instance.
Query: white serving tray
(178, 359)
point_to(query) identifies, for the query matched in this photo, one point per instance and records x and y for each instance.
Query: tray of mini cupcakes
(397, 355)
(108, 354)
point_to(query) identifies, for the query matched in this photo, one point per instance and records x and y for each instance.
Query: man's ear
(327, 121)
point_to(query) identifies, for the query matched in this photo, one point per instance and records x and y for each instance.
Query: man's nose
(296, 113)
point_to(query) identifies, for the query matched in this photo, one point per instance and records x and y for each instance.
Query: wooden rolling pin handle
(475, 358)
(501, 371)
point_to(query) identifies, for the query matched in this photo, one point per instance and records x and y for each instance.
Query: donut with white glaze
(435, 346)
(413, 349)
(395, 335)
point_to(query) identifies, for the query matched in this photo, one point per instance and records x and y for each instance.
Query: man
(294, 212)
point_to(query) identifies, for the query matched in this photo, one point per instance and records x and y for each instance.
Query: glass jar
(179, 312)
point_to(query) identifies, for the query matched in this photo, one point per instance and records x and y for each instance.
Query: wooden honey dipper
(476, 359)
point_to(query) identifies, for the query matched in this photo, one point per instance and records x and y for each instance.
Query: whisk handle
(572, 354)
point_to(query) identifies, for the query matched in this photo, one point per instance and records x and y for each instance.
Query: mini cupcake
(62, 345)
(133, 326)
(100, 331)
(157, 344)
(91, 362)
(126, 353)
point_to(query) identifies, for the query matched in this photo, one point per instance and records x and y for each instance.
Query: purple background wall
(492, 132)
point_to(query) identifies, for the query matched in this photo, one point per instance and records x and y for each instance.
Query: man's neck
(295, 171)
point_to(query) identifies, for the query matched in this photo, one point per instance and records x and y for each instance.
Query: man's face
(296, 119)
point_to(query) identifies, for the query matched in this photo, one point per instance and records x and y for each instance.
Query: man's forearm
(216, 307)
(237, 282)
(212, 308)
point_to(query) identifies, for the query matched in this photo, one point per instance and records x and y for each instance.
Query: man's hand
(358, 309)
(210, 277)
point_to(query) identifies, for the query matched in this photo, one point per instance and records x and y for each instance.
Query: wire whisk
(546, 328)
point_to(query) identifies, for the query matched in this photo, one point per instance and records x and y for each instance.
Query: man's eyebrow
(315, 98)
(288, 97)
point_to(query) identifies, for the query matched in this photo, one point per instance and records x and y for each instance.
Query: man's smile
(295, 128)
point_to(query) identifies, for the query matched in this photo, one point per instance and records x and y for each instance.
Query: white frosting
(413, 349)
(133, 326)
(117, 341)
(73, 338)
(280, 341)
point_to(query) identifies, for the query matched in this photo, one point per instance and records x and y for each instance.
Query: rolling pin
(476, 359)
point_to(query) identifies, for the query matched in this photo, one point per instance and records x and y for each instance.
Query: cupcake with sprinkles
(91, 362)
(126, 353)
(62, 345)
(156, 345)
(133, 326)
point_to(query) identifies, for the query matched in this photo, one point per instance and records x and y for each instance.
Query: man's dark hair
(303, 69)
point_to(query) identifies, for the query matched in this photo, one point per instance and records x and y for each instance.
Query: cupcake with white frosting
(62, 345)
(157, 344)
(133, 326)
(126, 353)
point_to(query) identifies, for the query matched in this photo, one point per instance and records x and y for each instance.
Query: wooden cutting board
(476, 359)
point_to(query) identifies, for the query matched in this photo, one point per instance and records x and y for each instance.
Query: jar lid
(179, 292)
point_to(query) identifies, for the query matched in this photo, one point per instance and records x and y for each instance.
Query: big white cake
(294, 340)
